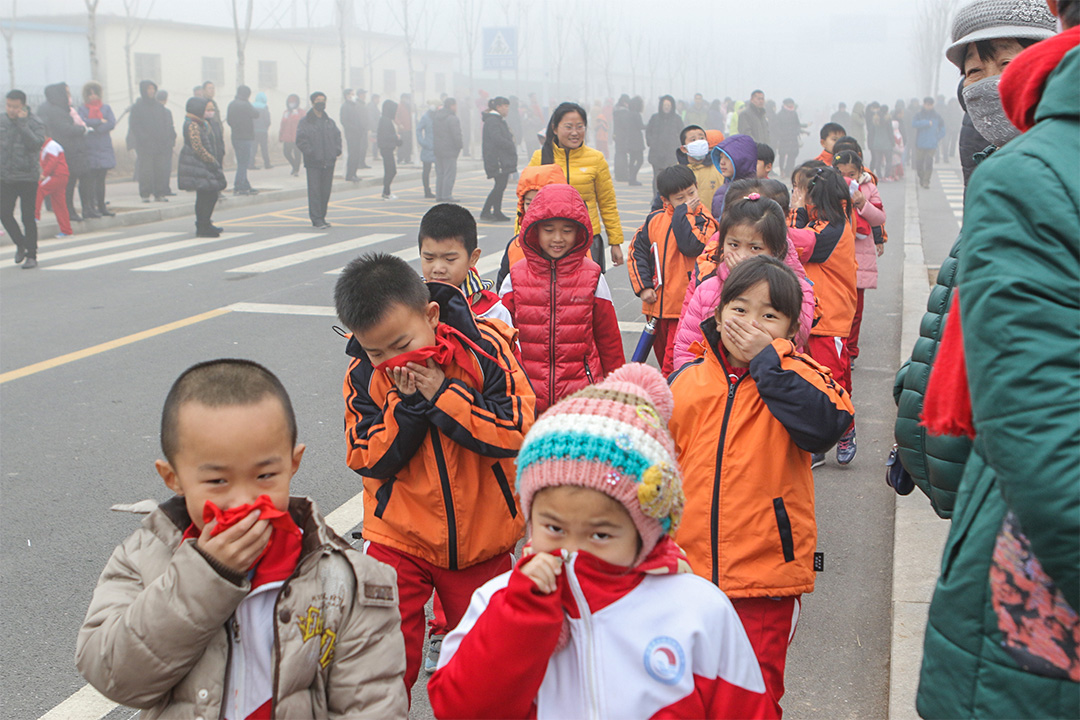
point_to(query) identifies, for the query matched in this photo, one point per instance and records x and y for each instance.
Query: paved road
(92, 341)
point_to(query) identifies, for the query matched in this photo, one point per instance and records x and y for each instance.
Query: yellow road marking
(111, 345)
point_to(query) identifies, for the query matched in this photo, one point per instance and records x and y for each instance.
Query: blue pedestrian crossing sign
(500, 48)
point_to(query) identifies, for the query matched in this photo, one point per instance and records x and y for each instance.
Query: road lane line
(489, 264)
(106, 346)
(203, 258)
(280, 309)
(47, 244)
(107, 245)
(348, 515)
(315, 253)
(84, 704)
(409, 254)
(143, 252)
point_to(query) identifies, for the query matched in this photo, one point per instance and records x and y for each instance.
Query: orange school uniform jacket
(832, 268)
(744, 448)
(679, 238)
(438, 474)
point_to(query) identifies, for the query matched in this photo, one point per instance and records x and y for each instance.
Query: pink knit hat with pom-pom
(611, 437)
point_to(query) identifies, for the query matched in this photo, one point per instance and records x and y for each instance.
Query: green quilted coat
(934, 462)
(1003, 629)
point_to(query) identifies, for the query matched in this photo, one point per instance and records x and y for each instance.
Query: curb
(186, 208)
(918, 533)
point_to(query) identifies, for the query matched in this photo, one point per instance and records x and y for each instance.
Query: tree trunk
(9, 36)
(91, 39)
(241, 39)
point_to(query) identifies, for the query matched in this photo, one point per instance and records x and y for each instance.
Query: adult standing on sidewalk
(500, 157)
(662, 135)
(388, 140)
(354, 125)
(214, 118)
(936, 462)
(425, 128)
(930, 129)
(162, 96)
(153, 136)
(374, 112)
(1003, 633)
(262, 131)
(754, 120)
(198, 168)
(241, 118)
(446, 133)
(56, 113)
(320, 141)
(100, 156)
(21, 136)
(287, 132)
(404, 120)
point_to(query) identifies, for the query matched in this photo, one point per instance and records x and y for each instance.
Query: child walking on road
(601, 617)
(234, 599)
(748, 414)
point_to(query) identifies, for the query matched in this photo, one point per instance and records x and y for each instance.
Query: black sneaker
(817, 460)
(29, 264)
(207, 232)
(20, 255)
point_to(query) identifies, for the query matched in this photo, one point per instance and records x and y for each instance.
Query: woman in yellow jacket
(587, 171)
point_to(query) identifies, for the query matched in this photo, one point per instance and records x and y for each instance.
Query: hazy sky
(816, 51)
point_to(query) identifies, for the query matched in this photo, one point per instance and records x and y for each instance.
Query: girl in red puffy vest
(560, 302)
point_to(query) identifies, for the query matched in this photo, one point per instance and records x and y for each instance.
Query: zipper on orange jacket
(714, 517)
(448, 498)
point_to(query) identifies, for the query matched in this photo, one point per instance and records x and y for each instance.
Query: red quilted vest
(554, 302)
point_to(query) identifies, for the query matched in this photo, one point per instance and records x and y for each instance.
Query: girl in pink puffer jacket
(754, 225)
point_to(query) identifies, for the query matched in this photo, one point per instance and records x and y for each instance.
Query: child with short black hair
(830, 133)
(436, 407)
(602, 617)
(749, 411)
(449, 253)
(234, 599)
(662, 256)
(560, 301)
(822, 203)
(766, 156)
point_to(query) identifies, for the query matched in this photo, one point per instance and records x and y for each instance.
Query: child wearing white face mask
(696, 144)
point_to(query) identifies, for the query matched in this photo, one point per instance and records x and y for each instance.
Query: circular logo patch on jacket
(665, 660)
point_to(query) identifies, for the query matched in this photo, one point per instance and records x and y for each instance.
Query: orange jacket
(438, 475)
(832, 268)
(744, 449)
(826, 157)
(679, 238)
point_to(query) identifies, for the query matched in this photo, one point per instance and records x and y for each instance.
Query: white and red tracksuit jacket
(54, 167)
(643, 643)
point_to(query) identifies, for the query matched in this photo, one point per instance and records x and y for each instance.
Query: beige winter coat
(155, 634)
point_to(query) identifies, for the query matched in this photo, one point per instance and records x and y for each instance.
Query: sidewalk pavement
(273, 185)
(919, 534)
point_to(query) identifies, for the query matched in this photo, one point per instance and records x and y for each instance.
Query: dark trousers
(69, 193)
(94, 183)
(622, 162)
(26, 194)
(292, 154)
(787, 160)
(637, 159)
(205, 200)
(597, 251)
(243, 150)
(154, 170)
(389, 170)
(493, 204)
(426, 175)
(262, 143)
(404, 151)
(357, 151)
(924, 164)
(319, 183)
(656, 169)
(445, 176)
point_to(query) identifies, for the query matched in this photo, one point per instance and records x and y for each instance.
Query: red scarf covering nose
(93, 109)
(444, 351)
(282, 553)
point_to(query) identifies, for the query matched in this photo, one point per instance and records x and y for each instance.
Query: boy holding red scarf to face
(436, 408)
(235, 600)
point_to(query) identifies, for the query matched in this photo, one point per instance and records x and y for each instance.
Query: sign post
(500, 48)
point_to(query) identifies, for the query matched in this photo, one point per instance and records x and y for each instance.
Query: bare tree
(346, 20)
(132, 29)
(562, 44)
(932, 24)
(635, 50)
(605, 52)
(367, 21)
(8, 31)
(241, 37)
(400, 10)
(470, 13)
(91, 38)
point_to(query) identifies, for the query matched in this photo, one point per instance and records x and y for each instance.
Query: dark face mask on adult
(983, 103)
(320, 106)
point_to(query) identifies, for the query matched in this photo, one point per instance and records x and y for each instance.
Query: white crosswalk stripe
(105, 245)
(142, 252)
(215, 255)
(48, 245)
(412, 254)
(314, 253)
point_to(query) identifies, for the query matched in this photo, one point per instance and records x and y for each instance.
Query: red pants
(832, 352)
(417, 579)
(856, 325)
(55, 188)
(770, 625)
(664, 344)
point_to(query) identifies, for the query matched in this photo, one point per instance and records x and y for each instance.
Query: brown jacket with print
(155, 635)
